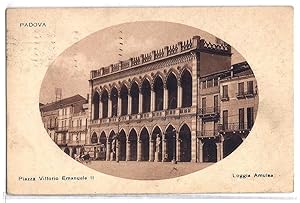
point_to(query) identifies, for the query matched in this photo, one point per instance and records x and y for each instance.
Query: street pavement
(146, 170)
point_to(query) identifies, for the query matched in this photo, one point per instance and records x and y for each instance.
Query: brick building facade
(229, 101)
(148, 108)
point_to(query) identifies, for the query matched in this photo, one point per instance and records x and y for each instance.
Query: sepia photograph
(115, 101)
(149, 100)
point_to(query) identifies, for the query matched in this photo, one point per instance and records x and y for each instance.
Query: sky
(71, 69)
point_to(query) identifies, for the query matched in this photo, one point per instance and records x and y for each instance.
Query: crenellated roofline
(194, 43)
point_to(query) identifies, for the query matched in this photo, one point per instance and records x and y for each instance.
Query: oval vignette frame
(149, 100)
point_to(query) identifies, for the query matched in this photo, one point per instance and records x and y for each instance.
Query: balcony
(235, 127)
(95, 121)
(79, 114)
(208, 133)
(124, 118)
(172, 112)
(224, 98)
(240, 95)
(61, 142)
(135, 117)
(147, 115)
(75, 143)
(158, 114)
(52, 127)
(78, 128)
(249, 94)
(105, 120)
(62, 129)
(114, 119)
(184, 111)
(209, 112)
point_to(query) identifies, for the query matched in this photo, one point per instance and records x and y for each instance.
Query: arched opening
(186, 84)
(102, 141)
(144, 137)
(231, 144)
(122, 146)
(67, 151)
(172, 91)
(132, 142)
(96, 99)
(146, 92)
(170, 138)
(113, 145)
(209, 151)
(104, 100)
(134, 92)
(94, 138)
(114, 102)
(159, 93)
(185, 144)
(156, 142)
(124, 100)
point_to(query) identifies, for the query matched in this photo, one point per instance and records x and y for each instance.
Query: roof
(62, 103)
(242, 69)
(238, 69)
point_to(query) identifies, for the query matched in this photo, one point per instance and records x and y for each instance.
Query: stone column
(108, 150)
(139, 150)
(222, 147)
(179, 95)
(151, 150)
(118, 150)
(97, 152)
(140, 102)
(165, 97)
(100, 108)
(92, 110)
(178, 149)
(111, 156)
(200, 144)
(87, 139)
(164, 149)
(109, 107)
(129, 104)
(128, 151)
(71, 151)
(219, 151)
(119, 105)
(194, 145)
(152, 105)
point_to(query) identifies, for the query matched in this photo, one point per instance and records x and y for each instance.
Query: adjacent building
(49, 114)
(229, 101)
(239, 103)
(66, 123)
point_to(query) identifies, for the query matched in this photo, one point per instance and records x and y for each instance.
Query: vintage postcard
(149, 100)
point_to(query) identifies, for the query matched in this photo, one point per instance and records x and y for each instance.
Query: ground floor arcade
(161, 143)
